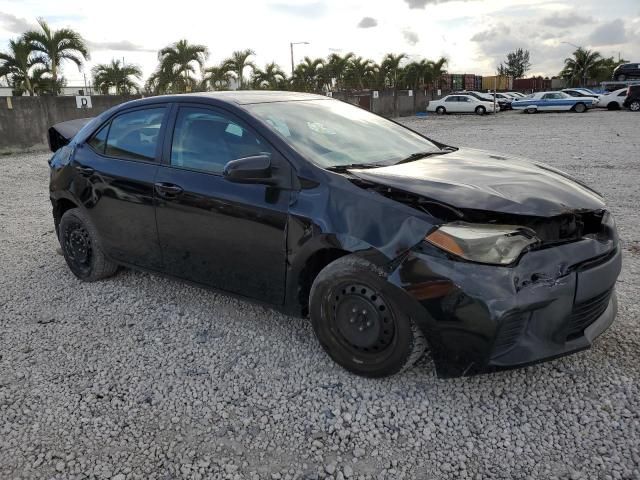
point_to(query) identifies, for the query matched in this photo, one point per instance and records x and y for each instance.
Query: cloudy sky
(474, 34)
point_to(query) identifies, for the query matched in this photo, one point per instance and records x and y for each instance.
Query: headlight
(494, 244)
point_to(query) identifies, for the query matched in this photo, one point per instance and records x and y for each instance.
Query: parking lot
(142, 376)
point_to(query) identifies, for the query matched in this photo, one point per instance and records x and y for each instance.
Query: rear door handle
(168, 190)
(85, 171)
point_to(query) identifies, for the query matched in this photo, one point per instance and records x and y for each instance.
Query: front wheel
(359, 324)
(580, 108)
(441, 110)
(481, 110)
(81, 247)
(530, 110)
(613, 106)
(635, 106)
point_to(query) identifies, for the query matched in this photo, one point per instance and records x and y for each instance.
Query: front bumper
(480, 318)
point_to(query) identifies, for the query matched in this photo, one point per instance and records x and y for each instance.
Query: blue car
(553, 102)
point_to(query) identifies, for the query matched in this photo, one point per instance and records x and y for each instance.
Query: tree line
(33, 61)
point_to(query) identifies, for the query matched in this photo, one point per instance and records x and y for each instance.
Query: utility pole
(291, 47)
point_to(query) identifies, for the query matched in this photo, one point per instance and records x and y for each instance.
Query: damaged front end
(552, 300)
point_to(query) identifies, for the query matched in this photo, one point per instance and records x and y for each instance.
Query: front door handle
(168, 190)
(85, 171)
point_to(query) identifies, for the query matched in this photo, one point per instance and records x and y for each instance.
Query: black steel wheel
(359, 324)
(441, 110)
(81, 247)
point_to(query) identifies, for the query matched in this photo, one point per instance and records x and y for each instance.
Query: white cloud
(439, 28)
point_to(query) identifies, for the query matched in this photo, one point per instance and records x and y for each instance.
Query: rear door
(227, 235)
(115, 173)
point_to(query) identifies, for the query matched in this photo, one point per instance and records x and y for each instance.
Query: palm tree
(178, 63)
(417, 74)
(56, 46)
(583, 65)
(116, 75)
(337, 67)
(217, 78)
(438, 69)
(360, 72)
(272, 76)
(391, 66)
(308, 75)
(237, 63)
(18, 63)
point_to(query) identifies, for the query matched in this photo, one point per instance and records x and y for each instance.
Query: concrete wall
(384, 105)
(25, 125)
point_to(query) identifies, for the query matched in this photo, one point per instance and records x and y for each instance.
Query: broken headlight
(483, 243)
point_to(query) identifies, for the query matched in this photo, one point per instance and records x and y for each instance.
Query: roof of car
(245, 97)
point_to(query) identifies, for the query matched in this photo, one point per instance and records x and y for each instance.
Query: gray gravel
(145, 377)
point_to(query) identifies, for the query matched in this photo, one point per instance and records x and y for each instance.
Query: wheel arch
(60, 207)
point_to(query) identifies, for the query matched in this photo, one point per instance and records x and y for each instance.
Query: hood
(480, 180)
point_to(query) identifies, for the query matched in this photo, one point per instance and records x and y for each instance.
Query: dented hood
(480, 180)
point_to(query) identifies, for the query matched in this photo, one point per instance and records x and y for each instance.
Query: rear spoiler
(61, 133)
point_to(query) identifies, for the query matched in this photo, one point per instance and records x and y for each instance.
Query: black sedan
(391, 242)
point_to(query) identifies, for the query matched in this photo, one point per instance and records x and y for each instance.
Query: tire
(634, 106)
(579, 108)
(358, 323)
(622, 78)
(613, 106)
(441, 110)
(530, 110)
(81, 247)
(481, 110)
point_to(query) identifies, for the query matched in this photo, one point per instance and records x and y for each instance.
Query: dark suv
(626, 71)
(632, 102)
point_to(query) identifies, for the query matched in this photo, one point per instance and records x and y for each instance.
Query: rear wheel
(634, 106)
(580, 108)
(481, 110)
(81, 247)
(358, 323)
(441, 110)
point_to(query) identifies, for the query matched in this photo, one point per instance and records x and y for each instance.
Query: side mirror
(254, 169)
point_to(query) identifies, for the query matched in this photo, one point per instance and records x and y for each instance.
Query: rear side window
(99, 140)
(134, 135)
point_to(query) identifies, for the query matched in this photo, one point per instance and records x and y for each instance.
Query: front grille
(585, 313)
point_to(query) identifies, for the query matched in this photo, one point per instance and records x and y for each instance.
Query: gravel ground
(145, 377)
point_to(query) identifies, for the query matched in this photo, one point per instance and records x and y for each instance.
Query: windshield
(331, 133)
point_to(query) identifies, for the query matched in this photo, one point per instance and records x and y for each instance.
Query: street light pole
(291, 47)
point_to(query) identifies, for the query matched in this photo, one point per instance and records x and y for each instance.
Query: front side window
(332, 133)
(134, 135)
(207, 140)
(451, 99)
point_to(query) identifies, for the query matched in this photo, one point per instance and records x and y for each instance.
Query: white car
(516, 95)
(553, 101)
(460, 104)
(613, 100)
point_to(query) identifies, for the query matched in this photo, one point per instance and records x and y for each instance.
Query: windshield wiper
(419, 155)
(344, 168)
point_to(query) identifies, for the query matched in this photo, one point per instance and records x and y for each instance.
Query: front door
(227, 235)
